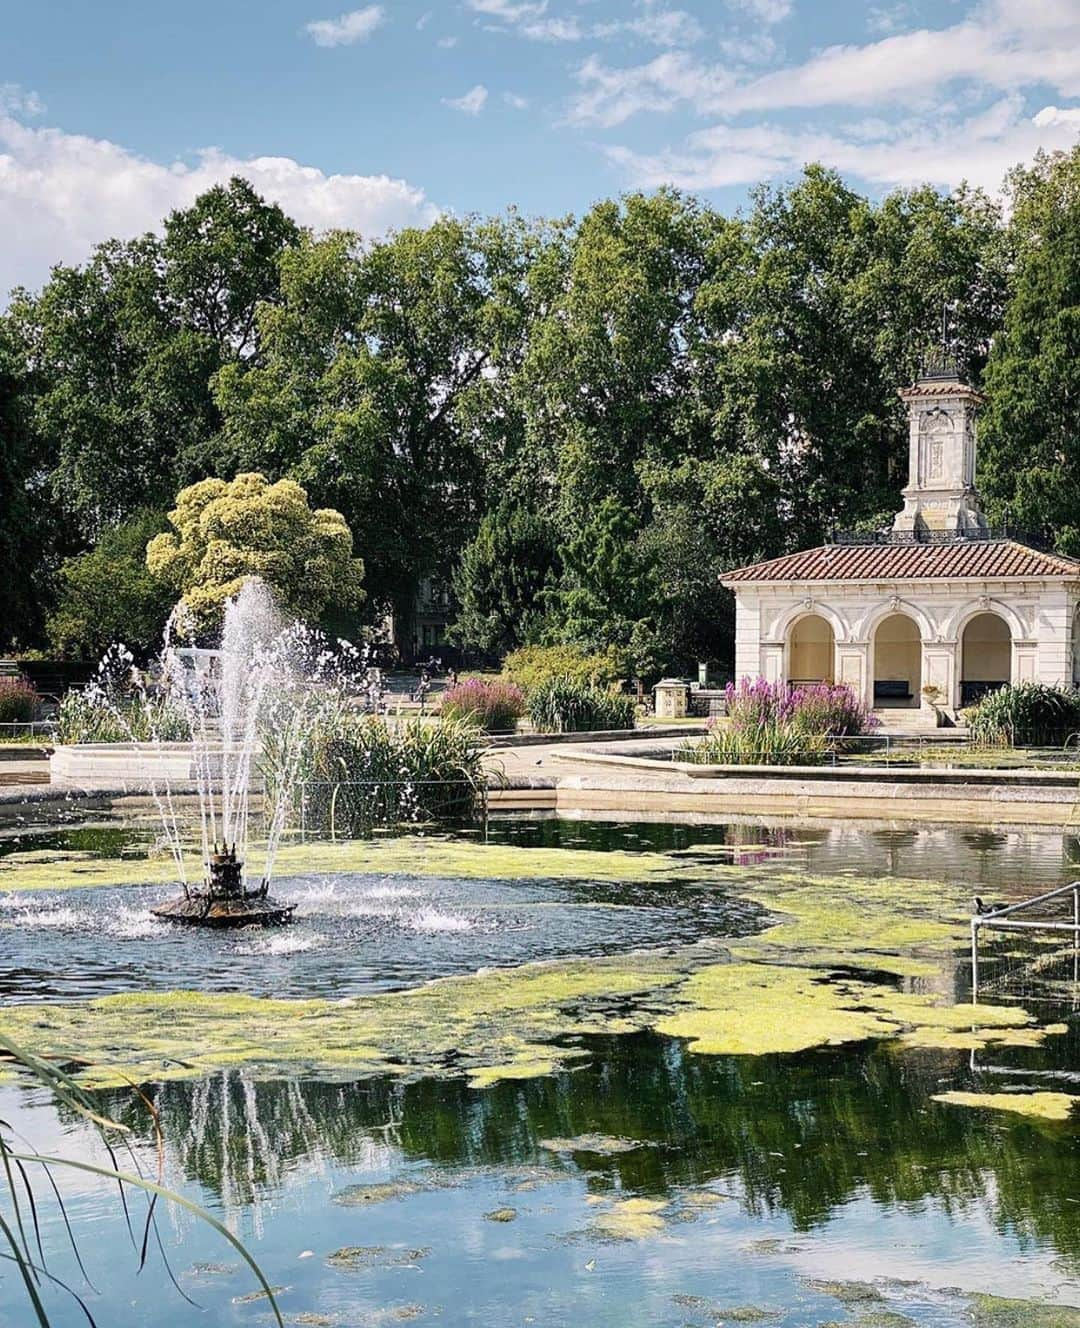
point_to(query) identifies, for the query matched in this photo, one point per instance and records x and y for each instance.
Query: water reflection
(799, 1137)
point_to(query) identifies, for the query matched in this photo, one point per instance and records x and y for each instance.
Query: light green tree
(228, 532)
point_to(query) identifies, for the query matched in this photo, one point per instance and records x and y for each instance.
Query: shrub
(101, 714)
(358, 773)
(774, 724)
(494, 706)
(822, 708)
(566, 705)
(534, 666)
(770, 743)
(19, 700)
(1028, 714)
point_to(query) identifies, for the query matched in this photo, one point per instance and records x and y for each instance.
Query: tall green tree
(503, 580)
(124, 350)
(30, 530)
(108, 594)
(1030, 436)
(381, 387)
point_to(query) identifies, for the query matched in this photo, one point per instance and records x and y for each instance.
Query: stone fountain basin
(131, 767)
(198, 911)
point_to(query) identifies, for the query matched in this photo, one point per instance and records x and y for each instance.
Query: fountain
(227, 696)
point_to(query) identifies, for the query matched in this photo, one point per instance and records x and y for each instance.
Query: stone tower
(940, 493)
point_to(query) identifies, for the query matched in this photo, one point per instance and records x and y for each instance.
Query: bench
(889, 689)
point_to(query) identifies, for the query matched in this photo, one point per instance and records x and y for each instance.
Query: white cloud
(980, 150)
(1055, 115)
(513, 100)
(766, 11)
(62, 193)
(1000, 46)
(610, 96)
(471, 103)
(447, 43)
(355, 26)
(16, 100)
(655, 24)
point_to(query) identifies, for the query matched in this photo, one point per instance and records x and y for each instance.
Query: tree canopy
(576, 423)
(227, 532)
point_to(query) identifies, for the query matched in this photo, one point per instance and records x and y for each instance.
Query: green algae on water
(1041, 1106)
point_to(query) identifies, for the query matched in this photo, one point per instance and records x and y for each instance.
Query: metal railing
(357, 808)
(1003, 917)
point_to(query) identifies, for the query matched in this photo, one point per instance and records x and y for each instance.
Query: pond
(732, 1092)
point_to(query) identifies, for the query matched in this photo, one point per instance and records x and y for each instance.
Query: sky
(112, 113)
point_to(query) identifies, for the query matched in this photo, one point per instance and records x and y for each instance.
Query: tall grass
(495, 706)
(1030, 714)
(19, 700)
(29, 1178)
(100, 714)
(566, 705)
(359, 773)
(768, 743)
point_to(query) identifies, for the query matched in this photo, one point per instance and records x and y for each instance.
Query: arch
(811, 650)
(873, 619)
(897, 661)
(985, 656)
(953, 627)
(782, 625)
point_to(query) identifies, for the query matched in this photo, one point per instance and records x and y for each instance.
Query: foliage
(109, 595)
(775, 724)
(359, 773)
(19, 1164)
(19, 700)
(104, 714)
(124, 350)
(381, 385)
(492, 705)
(825, 708)
(771, 742)
(1026, 714)
(502, 580)
(566, 705)
(229, 532)
(532, 667)
(1030, 435)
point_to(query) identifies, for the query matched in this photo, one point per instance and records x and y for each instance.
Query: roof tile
(982, 559)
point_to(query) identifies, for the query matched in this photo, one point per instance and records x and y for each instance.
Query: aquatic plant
(566, 705)
(769, 743)
(776, 724)
(1029, 714)
(828, 708)
(495, 706)
(355, 773)
(19, 1165)
(19, 700)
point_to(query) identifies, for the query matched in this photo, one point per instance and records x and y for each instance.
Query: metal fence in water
(357, 808)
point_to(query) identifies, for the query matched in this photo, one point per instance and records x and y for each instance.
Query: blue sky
(114, 112)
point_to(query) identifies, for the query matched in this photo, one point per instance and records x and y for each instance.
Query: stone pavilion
(938, 608)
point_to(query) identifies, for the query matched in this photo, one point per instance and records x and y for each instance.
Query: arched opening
(811, 650)
(986, 657)
(897, 662)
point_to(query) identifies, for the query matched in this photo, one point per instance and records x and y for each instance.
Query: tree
(229, 532)
(109, 595)
(125, 348)
(502, 580)
(30, 530)
(380, 387)
(1030, 435)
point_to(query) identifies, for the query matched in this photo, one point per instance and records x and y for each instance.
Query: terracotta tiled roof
(981, 559)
